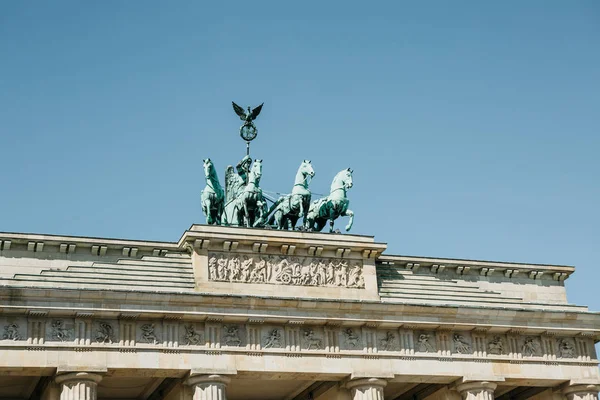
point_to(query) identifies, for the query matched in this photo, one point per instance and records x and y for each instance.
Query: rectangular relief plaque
(285, 270)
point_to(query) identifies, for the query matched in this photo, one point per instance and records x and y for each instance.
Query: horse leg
(350, 214)
(330, 226)
(293, 222)
(219, 212)
(246, 215)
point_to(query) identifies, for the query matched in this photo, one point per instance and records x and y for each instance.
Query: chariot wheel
(286, 278)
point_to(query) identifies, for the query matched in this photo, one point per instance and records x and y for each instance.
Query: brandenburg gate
(260, 304)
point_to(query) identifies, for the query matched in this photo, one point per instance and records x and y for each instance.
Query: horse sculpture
(333, 206)
(212, 196)
(289, 208)
(249, 205)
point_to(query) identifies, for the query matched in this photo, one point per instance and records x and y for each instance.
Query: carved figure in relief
(245, 270)
(212, 268)
(352, 339)
(460, 344)
(530, 346)
(330, 273)
(314, 275)
(148, 333)
(341, 274)
(191, 336)
(322, 273)
(566, 349)
(234, 269)
(232, 337)
(274, 339)
(311, 340)
(59, 332)
(222, 268)
(354, 276)
(387, 343)
(105, 334)
(259, 275)
(287, 271)
(424, 344)
(11, 332)
(496, 346)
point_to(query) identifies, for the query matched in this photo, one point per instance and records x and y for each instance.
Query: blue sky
(472, 127)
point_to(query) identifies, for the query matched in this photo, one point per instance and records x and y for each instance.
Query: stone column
(480, 390)
(208, 387)
(581, 392)
(366, 388)
(78, 385)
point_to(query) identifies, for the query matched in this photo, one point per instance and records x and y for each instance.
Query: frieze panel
(280, 270)
(496, 345)
(313, 339)
(425, 342)
(461, 344)
(388, 342)
(192, 335)
(273, 338)
(294, 337)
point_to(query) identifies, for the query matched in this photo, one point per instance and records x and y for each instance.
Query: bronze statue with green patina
(244, 201)
(212, 196)
(286, 211)
(331, 207)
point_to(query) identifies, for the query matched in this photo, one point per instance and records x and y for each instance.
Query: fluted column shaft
(477, 390)
(78, 385)
(208, 387)
(366, 388)
(581, 392)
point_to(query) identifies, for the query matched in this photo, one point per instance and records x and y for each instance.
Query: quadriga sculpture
(333, 206)
(212, 196)
(289, 208)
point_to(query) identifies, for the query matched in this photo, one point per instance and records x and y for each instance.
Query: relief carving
(352, 339)
(59, 331)
(273, 339)
(11, 332)
(105, 333)
(565, 349)
(279, 270)
(191, 336)
(232, 337)
(148, 334)
(424, 344)
(388, 342)
(496, 346)
(312, 341)
(530, 346)
(460, 344)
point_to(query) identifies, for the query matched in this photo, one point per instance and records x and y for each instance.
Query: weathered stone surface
(148, 321)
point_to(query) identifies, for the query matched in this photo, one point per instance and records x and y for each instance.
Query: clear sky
(472, 126)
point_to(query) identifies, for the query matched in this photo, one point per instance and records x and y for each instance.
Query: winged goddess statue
(248, 130)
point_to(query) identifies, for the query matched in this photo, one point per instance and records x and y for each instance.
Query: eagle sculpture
(249, 116)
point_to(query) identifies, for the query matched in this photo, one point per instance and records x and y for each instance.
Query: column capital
(207, 378)
(365, 382)
(476, 385)
(580, 388)
(581, 392)
(69, 377)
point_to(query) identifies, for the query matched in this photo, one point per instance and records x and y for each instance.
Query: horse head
(306, 169)
(343, 180)
(208, 167)
(256, 170)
